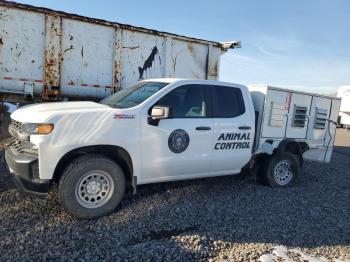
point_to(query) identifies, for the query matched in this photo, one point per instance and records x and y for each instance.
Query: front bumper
(25, 172)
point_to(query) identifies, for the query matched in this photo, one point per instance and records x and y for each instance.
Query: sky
(296, 44)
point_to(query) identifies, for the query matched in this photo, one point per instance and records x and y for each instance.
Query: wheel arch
(292, 146)
(115, 153)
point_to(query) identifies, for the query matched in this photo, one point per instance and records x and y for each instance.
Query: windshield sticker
(123, 116)
(234, 141)
(178, 141)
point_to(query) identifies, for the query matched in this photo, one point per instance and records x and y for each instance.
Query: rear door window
(227, 101)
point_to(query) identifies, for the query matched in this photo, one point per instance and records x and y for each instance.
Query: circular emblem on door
(178, 141)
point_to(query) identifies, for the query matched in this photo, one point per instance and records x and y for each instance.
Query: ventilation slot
(321, 118)
(300, 116)
(277, 114)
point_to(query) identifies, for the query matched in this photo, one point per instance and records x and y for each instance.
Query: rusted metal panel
(188, 60)
(53, 57)
(213, 63)
(21, 51)
(87, 67)
(167, 59)
(118, 47)
(141, 57)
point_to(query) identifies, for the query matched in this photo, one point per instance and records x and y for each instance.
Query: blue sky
(297, 44)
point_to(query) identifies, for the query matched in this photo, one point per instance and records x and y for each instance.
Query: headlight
(37, 129)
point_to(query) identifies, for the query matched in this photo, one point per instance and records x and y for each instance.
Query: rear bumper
(25, 173)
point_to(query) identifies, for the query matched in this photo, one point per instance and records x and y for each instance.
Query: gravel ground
(218, 219)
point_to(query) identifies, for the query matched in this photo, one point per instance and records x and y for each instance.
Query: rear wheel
(91, 186)
(282, 169)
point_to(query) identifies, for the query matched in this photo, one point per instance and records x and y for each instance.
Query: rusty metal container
(47, 55)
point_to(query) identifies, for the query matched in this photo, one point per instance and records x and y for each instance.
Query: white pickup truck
(162, 130)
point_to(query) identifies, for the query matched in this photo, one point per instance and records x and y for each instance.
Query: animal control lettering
(236, 141)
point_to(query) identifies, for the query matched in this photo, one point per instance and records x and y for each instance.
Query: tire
(282, 170)
(91, 186)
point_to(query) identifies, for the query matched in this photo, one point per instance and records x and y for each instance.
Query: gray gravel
(218, 219)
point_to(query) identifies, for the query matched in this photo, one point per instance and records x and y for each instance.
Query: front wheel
(91, 186)
(282, 169)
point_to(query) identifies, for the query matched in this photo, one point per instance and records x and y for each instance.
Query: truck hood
(39, 113)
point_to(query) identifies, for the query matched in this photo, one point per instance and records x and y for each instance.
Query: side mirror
(158, 113)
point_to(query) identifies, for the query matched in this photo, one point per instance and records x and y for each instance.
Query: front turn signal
(44, 129)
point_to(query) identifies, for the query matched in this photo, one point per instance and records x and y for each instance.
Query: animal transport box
(50, 55)
(289, 114)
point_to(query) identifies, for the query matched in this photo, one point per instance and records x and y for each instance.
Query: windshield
(133, 96)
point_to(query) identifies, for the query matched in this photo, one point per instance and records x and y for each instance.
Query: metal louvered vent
(277, 114)
(300, 116)
(320, 118)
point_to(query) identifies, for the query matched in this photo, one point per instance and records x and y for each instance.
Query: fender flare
(284, 143)
(294, 147)
(116, 153)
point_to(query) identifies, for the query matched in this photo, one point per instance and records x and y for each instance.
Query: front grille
(16, 144)
(17, 125)
(21, 146)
